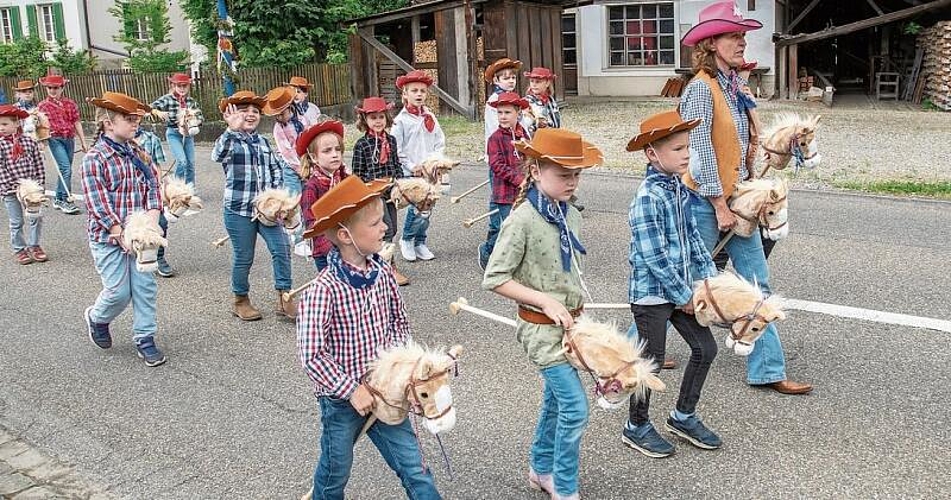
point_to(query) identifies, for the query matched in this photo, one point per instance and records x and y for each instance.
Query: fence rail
(331, 85)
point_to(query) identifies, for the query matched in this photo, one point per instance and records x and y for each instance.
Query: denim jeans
(390, 218)
(163, 223)
(561, 424)
(244, 234)
(415, 227)
(767, 363)
(183, 149)
(121, 284)
(292, 181)
(15, 213)
(495, 223)
(62, 150)
(341, 426)
(650, 325)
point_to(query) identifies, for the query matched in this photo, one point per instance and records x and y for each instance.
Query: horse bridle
(794, 150)
(611, 383)
(279, 220)
(416, 406)
(748, 317)
(423, 207)
(760, 218)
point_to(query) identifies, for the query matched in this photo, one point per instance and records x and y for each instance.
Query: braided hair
(527, 183)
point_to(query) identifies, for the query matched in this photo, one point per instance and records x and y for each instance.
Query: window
(47, 23)
(641, 34)
(6, 26)
(569, 43)
(143, 31)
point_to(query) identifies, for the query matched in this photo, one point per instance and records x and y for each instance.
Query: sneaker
(58, 204)
(98, 332)
(693, 430)
(38, 254)
(68, 207)
(648, 441)
(23, 257)
(165, 269)
(149, 352)
(408, 250)
(423, 253)
(482, 261)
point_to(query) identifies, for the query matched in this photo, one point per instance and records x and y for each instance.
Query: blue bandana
(351, 275)
(295, 120)
(126, 151)
(555, 214)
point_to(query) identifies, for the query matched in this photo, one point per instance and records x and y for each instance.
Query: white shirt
(414, 143)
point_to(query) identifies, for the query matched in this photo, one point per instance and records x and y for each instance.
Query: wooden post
(792, 63)
(473, 76)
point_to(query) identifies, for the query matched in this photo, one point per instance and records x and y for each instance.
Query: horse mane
(29, 186)
(389, 366)
(139, 227)
(750, 195)
(731, 284)
(176, 187)
(414, 189)
(607, 336)
(783, 120)
(269, 196)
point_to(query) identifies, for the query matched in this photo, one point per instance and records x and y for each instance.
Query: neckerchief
(554, 213)
(300, 108)
(17, 148)
(428, 120)
(381, 148)
(126, 151)
(295, 120)
(497, 90)
(26, 105)
(743, 101)
(544, 98)
(181, 100)
(351, 275)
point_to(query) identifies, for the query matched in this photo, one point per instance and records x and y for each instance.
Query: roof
(437, 5)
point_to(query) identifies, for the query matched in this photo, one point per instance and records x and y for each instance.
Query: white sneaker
(423, 253)
(408, 250)
(302, 249)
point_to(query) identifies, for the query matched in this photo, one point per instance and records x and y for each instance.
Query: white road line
(868, 314)
(77, 197)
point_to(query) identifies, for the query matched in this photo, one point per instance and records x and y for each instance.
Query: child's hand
(688, 307)
(361, 400)
(233, 117)
(558, 313)
(159, 115)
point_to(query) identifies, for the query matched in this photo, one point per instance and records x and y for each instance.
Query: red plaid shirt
(63, 115)
(28, 166)
(340, 329)
(317, 186)
(504, 161)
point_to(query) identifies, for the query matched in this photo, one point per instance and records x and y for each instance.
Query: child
(542, 100)
(64, 128)
(504, 163)
(667, 255)
(25, 95)
(250, 167)
(20, 158)
(117, 182)
(418, 137)
(503, 75)
(308, 111)
(288, 126)
(536, 264)
(375, 156)
(167, 108)
(151, 144)
(321, 153)
(353, 310)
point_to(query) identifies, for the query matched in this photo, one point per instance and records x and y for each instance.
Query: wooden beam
(876, 7)
(898, 15)
(801, 15)
(400, 14)
(399, 61)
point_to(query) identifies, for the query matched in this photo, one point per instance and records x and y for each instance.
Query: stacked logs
(936, 65)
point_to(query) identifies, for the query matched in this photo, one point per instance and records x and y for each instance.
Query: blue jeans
(121, 284)
(62, 150)
(495, 223)
(244, 234)
(341, 426)
(767, 363)
(561, 423)
(15, 213)
(415, 227)
(183, 149)
(292, 181)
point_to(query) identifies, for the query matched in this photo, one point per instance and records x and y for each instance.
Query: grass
(938, 189)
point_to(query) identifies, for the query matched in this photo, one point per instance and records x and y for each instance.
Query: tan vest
(726, 141)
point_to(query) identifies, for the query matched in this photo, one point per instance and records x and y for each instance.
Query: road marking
(868, 314)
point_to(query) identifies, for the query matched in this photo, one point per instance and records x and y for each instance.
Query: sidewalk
(26, 473)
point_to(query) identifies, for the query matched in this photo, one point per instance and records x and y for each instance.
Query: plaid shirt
(317, 186)
(665, 242)
(340, 329)
(152, 145)
(552, 115)
(63, 115)
(697, 102)
(28, 166)
(250, 167)
(504, 162)
(112, 189)
(169, 103)
(364, 166)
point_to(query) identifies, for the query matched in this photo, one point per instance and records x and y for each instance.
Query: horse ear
(700, 305)
(655, 383)
(815, 120)
(777, 316)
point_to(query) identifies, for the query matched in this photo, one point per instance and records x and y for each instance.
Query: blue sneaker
(646, 440)
(98, 332)
(149, 352)
(693, 430)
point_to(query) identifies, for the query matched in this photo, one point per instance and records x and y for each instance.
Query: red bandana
(383, 145)
(428, 121)
(181, 100)
(519, 132)
(543, 97)
(17, 149)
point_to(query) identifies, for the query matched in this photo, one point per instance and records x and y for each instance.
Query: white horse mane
(285, 200)
(733, 293)
(787, 119)
(140, 228)
(29, 189)
(385, 368)
(758, 191)
(415, 189)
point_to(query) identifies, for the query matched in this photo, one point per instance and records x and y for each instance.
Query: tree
(145, 28)
(24, 57)
(72, 62)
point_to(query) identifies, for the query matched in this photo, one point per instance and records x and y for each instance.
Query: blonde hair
(307, 165)
(704, 57)
(527, 184)
(103, 115)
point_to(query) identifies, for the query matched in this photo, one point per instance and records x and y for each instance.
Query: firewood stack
(936, 66)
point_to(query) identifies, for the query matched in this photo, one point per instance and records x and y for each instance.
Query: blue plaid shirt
(169, 103)
(665, 242)
(250, 167)
(152, 145)
(697, 102)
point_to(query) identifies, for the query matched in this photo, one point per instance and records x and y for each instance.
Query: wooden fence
(331, 85)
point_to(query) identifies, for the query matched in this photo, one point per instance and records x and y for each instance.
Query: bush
(72, 62)
(24, 57)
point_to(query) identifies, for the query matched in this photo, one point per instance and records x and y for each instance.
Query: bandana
(295, 120)
(554, 213)
(26, 105)
(428, 121)
(382, 149)
(743, 102)
(351, 275)
(544, 98)
(126, 151)
(17, 148)
(181, 101)
(300, 108)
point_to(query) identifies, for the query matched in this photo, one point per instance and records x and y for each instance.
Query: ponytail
(527, 183)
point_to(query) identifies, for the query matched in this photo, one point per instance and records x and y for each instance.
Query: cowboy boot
(401, 278)
(243, 309)
(286, 308)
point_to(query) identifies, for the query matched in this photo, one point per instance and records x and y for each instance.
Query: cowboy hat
(415, 76)
(277, 100)
(310, 133)
(342, 201)
(120, 103)
(299, 81)
(53, 81)
(562, 147)
(179, 78)
(539, 72)
(499, 65)
(14, 111)
(374, 105)
(658, 126)
(510, 99)
(24, 85)
(239, 98)
(717, 19)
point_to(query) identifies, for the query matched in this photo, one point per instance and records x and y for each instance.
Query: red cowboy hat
(241, 97)
(717, 19)
(499, 65)
(180, 78)
(311, 133)
(299, 81)
(277, 100)
(53, 81)
(539, 72)
(374, 105)
(13, 110)
(415, 76)
(24, 85)
(560, 146)
(342, 201)
(510, 99)
(120, 103)
(658, 126)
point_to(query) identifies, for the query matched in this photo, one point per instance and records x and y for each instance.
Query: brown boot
(286, 308)
(401, 278)
(244, 310)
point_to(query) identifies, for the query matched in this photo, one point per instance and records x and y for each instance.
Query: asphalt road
(232, 413)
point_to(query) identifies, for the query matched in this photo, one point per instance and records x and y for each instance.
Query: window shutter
(31, 20)
(59, 24)
(15, 22)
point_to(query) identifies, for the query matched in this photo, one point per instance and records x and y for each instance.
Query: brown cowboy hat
(342, 201)
(510, 99)
(499, 65)
(560, 146)
(24, 85)
(277, 100)
(658, 126)
(299, 81)
(310, 133)
(120, 103)
(14, 111)
(239, 98)
(415, 76)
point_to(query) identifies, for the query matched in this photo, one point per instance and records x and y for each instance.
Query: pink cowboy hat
(717, 19)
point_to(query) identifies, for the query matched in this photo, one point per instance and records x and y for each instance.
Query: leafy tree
(145, 54)
(72, 62)
(23, 57)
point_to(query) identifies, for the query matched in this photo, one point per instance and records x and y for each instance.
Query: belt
(535, 317)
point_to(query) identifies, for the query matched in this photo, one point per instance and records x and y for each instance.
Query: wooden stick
(470, 222)
(220, 241)
(69, 195)
(288, 295)
(607, 306)
(722, 243)
(455, 199)
(461, 304)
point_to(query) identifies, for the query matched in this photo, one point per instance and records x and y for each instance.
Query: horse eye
(424, 394)
(771, 212)
(755, 328)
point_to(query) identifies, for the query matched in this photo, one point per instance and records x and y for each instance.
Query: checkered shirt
(152, 145)
(314, 189)
(113, 188)
(366, 150)
(169, 103)
(28, 166)
(504, 162)
(340, 329)
(250, 167)
(697, 102)
(63, 115)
